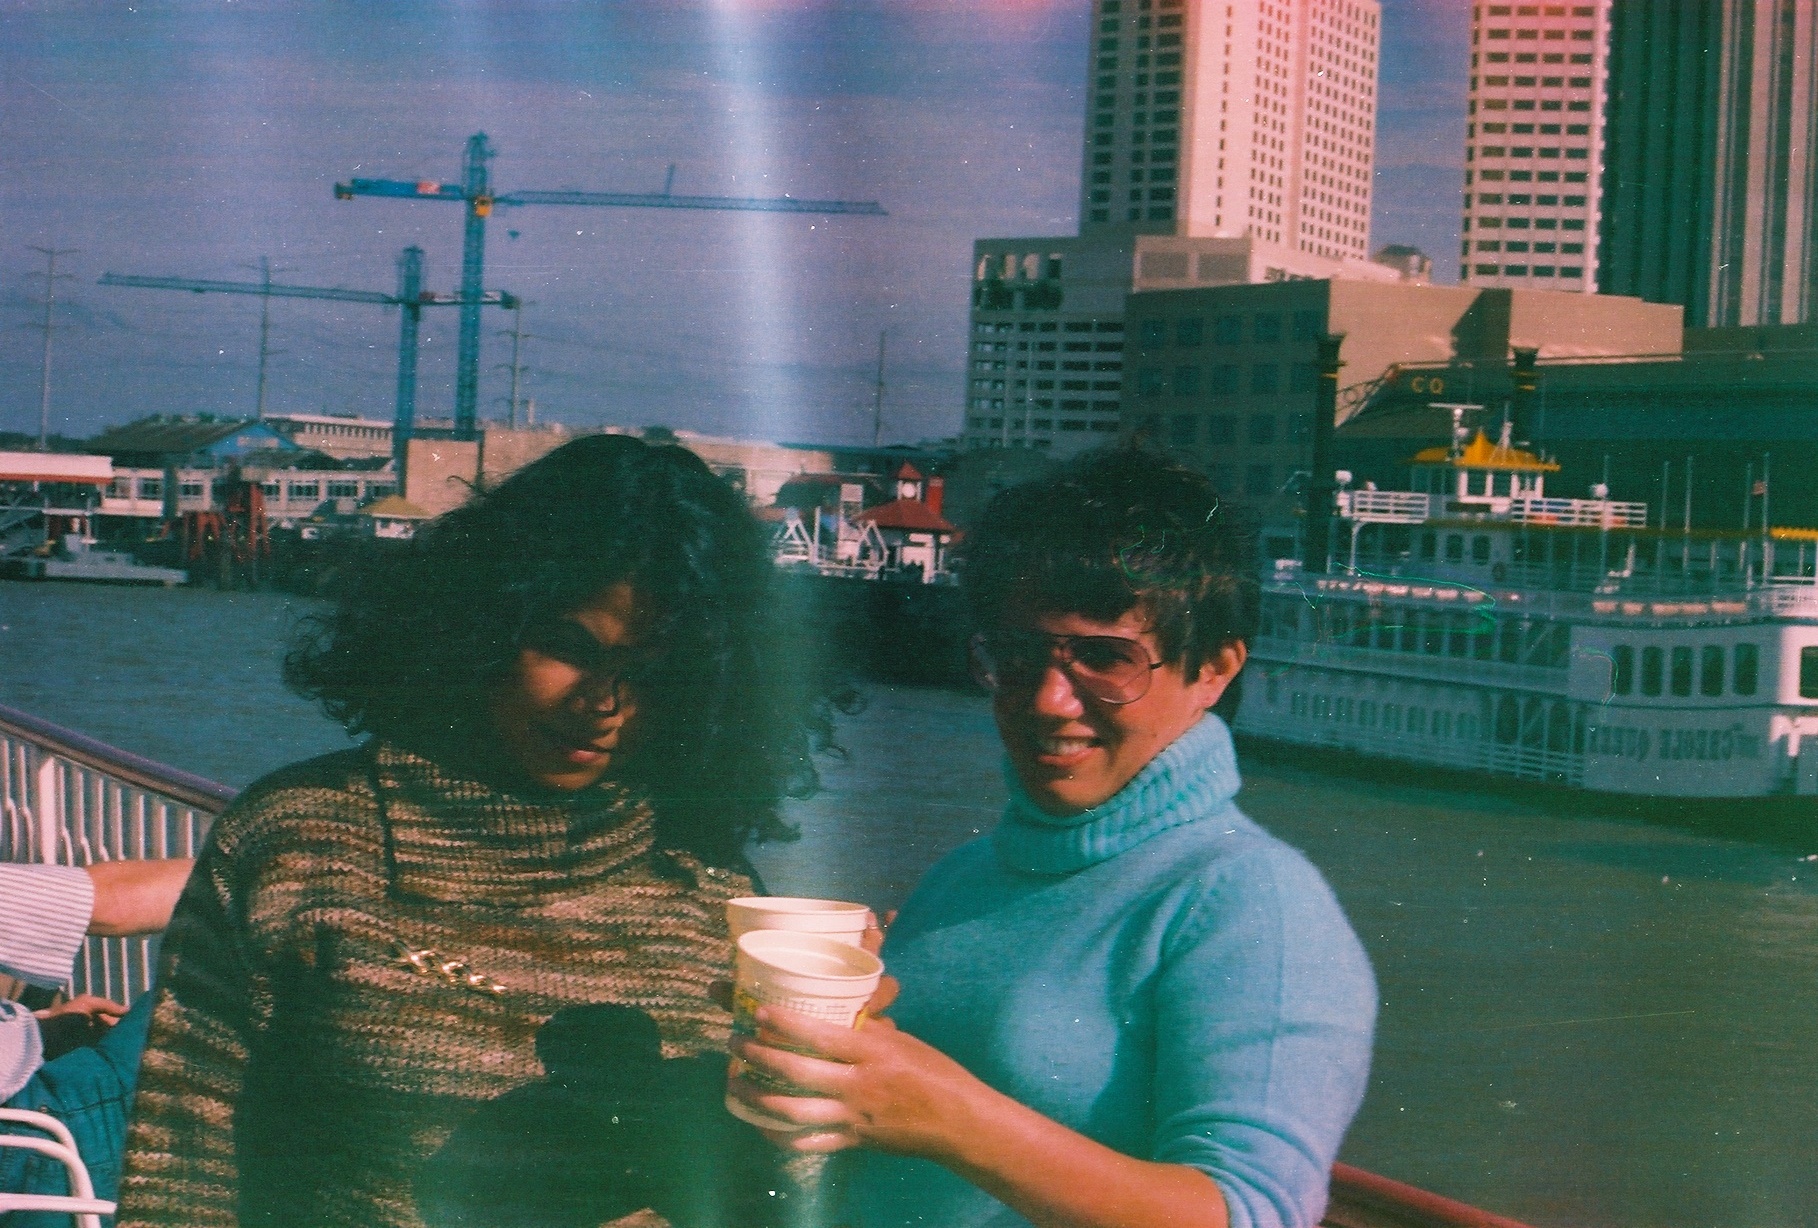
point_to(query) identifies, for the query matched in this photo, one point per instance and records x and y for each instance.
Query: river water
(1587, 1019)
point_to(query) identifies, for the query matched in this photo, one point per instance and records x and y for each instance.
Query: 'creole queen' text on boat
(1472, 622)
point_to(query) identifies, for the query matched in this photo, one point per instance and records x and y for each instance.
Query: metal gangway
(67, 799)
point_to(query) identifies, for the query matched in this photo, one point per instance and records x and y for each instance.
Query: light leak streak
(765, 316)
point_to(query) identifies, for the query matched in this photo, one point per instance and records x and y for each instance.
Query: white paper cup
(829, 918)
(815, 974)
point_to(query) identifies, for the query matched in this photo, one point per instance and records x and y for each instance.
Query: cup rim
(751, 943)
(798, 904)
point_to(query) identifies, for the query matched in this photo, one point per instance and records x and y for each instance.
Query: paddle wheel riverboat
(1473, 622)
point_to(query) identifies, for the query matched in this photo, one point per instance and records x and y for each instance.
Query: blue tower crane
(475, 191)
(411, 298)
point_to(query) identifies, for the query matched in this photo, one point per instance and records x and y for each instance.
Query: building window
(1155, 332)
(1622, 669)
(1808, 672)
(1189, 331)
(1748, 669)
(1262, 429)
(1229, 330)
(1265, 378)
(151, 488)
(343, 490)
(1182, 429)
(1268, 328)
(1710, 670)
(1150, 382)
(1225, 379)
(1259, 482)
(1186, 381)
(1221, 431)
(1652, 661)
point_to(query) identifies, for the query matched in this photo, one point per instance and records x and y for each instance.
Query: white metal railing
(68, 799)
(1384, 506)
(1606, 513)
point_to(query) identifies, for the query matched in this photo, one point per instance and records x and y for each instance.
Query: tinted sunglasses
(1109, 668)
(611, 667)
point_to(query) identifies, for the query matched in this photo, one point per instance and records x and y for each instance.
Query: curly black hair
(415, 640)
(1118, 529)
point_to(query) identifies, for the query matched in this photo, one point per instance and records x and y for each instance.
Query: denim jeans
(90, 1090)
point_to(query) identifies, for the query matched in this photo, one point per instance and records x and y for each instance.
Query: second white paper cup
(814, 974)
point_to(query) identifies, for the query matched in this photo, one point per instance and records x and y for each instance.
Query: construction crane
(411, 297)
(475, 191)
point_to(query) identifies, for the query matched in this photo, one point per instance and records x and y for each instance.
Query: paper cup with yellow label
(829, 918)
(814, 974)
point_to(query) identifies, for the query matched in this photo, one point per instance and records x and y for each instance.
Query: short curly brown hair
(1118, 529)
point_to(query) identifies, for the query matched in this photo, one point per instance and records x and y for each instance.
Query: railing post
(47, 807)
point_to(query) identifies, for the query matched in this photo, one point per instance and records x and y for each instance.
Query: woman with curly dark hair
(578, 719)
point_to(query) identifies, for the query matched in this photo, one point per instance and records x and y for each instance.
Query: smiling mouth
(585, 747)
(1055, 747)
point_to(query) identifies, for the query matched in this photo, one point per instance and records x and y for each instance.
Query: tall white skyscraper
(1226, 141)
(1235, 118)
(1534, 145)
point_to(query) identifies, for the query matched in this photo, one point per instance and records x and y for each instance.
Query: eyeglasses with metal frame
(1109, 668)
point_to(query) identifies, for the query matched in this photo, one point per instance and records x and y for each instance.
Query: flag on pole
(1760, 488)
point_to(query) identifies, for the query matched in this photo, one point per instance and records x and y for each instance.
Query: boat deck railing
(67, 799)
(71, 800)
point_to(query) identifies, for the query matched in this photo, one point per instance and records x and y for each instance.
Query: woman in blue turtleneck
(1127, 1005)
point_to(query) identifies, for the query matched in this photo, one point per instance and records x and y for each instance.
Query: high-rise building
(1713, 159)
(1225, 142)
(1236, 118)
(1534, 145)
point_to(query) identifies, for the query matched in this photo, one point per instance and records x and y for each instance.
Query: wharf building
(1713, 159)
(1534, 145)
(1225, 143)
(1226, 377)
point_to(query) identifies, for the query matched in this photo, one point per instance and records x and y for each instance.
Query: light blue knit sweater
(1158, 973)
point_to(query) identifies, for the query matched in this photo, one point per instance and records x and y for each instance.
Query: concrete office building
(1713, 158)
(1225, 377)
(1534, 145)
(1224, 143)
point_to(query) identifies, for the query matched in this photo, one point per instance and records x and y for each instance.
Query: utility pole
(516, 333)
(265, 271)
(50, 276)
(877, 395)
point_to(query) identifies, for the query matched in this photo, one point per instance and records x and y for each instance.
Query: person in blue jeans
(77, 1060)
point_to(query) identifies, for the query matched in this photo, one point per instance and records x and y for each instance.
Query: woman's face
(1071, 751)
(561, 713)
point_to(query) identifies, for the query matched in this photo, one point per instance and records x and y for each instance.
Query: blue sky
(192, 138)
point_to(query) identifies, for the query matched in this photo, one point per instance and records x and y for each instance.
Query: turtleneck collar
(455, 836)
(1194, 777)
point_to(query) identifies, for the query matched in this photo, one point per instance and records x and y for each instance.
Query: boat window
(1748, 668)
(1429, 544)
(1710, 670)
(1432, 632)
(1483, 635)
(1480, 549)
(1651, 661)
(1682, 670)
(1558, 646)
(1391, 717)
(1808, 672)
(1417, 719)
(1622, 659)
(1454, 547)
(1458, 634)
(1442, 724)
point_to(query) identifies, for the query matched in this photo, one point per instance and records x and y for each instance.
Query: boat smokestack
(1526, 374)
(1318, 536)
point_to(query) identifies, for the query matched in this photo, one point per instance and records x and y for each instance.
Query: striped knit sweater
(301, 1070)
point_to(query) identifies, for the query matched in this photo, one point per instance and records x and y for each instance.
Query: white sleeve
(44, 913)
(21, 1048)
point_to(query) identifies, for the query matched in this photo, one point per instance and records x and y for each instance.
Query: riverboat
(1472, 622)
